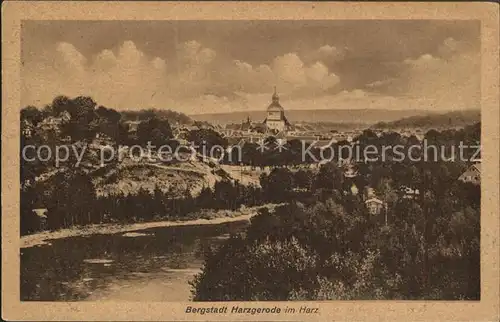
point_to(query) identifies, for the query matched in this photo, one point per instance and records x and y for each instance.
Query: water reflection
(149, 265)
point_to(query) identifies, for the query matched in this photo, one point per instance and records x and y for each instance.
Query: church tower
(276, 119)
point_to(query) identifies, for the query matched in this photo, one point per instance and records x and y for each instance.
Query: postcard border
(14, 12)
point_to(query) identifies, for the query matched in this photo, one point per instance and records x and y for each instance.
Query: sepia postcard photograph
(252, 161)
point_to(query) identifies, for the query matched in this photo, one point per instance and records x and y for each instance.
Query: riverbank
(220, 217)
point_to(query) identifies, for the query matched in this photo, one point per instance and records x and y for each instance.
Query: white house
(472, 174)
(375, 206)
(41, 213)
(409, 193)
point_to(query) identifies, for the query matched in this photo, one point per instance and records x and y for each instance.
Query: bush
(259, 271)
(332, 251)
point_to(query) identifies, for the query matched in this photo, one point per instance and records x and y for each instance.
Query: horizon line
(431, 111)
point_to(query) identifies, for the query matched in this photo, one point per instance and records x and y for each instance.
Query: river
(154, 264)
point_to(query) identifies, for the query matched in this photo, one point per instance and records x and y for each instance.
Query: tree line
(71, 200)
(322, 244)
(325, 245)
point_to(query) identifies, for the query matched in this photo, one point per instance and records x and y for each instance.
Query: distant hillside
(450, 119)
(171, 116)
(363, 116)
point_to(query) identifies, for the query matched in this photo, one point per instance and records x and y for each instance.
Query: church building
(276, 120)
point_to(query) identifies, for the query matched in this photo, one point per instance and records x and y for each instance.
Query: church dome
(275, 104)
(275, 96)
(275, 107)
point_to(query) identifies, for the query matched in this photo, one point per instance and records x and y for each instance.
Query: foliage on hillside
(326, 245)
(86, 192)
(450, 119)
(145, 114)
(71, 200)
(334, 249)
(322, 245)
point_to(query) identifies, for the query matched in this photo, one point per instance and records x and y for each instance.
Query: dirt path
(166, 167)
(44, 237)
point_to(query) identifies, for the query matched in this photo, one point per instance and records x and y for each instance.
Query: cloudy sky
(223, 66)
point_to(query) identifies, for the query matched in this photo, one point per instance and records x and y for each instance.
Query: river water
(154, 264)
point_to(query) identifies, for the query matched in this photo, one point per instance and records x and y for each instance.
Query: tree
(59, 105)
(71, 200)
(32, 115)
(82, 113)
(225, 195)
(277, 186)
(108, 123)
(329, 177)
(263, 271)
(205, 139)
(387, 190)
(109, 114)
(303, 179)
(154, 130)
(295, 252)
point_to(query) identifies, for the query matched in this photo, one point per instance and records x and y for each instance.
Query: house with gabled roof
(472, 174)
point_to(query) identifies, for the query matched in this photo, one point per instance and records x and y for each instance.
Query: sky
(200, 67)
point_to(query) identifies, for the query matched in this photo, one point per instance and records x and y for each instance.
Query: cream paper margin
(13, 12)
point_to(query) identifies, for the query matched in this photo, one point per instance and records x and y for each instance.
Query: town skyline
(209, 67)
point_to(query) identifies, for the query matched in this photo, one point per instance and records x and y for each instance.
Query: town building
(132, 126)
(350, 171)
(246, 126)
(276, 120)
(53, 123)
(409, 192)
(27, 128)
(41, 214)
(375, 206)
(237, 146)
(101, 139)
(369, 192)
(472, 174)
